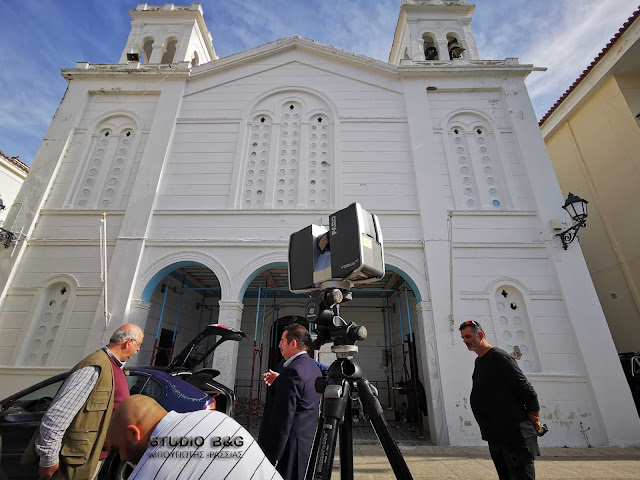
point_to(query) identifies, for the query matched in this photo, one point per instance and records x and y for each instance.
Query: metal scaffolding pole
(393, 380)
(155, 343)
(253, 357)
(406, 296)
(175, 325)
(264, 316)
(387, 352)
(401, 327)
(201, 311)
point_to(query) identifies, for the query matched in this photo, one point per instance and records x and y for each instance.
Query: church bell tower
(168, 34)
(434, 30)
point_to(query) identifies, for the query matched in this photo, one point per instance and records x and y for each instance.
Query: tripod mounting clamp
(344, 351)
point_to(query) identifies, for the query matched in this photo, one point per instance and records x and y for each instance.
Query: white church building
(204, 166)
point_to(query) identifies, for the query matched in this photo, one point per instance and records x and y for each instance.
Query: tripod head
(323, 310)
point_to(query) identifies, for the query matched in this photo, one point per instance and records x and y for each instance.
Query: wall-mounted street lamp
(6, 237)
(576, 207)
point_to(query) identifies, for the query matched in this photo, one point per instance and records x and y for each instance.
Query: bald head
(126, 341)
(132, 424)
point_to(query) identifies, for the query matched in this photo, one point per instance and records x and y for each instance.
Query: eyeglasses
(134, 340)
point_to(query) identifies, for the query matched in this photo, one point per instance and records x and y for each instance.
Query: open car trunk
(189, 364)
(203, 345)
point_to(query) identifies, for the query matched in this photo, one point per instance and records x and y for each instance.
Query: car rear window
(142, 384)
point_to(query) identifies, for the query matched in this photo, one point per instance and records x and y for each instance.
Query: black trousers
(514, 462)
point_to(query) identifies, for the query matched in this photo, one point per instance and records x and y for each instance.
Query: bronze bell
(431, 53)
(455, 49)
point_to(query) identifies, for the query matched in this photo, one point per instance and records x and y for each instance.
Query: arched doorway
(183, 299)
(391, 357)
(277, 328)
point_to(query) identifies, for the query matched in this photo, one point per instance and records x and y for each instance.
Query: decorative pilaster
(225, 358)
(431, 369)
(138, 312)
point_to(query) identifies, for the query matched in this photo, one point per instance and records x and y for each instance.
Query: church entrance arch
(183, 298)
(392, 357)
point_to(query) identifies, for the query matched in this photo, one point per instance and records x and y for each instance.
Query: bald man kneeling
(170, 445)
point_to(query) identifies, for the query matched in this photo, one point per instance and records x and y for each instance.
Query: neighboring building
(593, 137)
(206, 165)
(12, 174)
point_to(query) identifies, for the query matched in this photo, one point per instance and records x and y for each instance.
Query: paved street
(434, 462)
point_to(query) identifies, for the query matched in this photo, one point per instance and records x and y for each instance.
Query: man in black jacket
(505, 406)
(292, 407)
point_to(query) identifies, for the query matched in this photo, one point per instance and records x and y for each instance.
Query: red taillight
(211, 404)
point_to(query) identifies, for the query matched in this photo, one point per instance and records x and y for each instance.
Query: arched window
(513, 330)
(196, 61)
(454, 45)
(257, 162)
(52, 306)
(477, 176)
(110, 159)
(430, 48)
(463, 169)
(319, 162)
(170, 52)
(293, 169)
(147, 49)
(288, 170)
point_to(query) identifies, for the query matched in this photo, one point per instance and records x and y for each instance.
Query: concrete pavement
(433, 462)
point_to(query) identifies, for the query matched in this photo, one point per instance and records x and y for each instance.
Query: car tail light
(211, 404)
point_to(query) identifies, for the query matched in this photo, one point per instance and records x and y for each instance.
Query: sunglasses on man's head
(470, 323)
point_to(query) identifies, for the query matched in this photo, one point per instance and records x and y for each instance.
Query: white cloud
(568, 47)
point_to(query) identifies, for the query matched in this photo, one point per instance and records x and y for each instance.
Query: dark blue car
(181, 386)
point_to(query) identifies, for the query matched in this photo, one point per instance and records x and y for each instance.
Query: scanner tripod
(344, 383)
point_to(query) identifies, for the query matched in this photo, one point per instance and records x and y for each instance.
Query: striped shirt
(226, 451)
(64, 407)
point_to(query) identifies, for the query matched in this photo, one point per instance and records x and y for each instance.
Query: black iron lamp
(6, 237)
(576, 207)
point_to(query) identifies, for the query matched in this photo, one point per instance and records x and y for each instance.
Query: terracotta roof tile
(15, 161)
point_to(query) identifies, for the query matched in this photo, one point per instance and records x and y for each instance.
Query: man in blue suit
(292, 407)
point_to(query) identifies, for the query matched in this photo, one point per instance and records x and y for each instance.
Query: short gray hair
(121, 335)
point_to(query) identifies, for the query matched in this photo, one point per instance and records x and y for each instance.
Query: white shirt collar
(110, 353)
(288, 362)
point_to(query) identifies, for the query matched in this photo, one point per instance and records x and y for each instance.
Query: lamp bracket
(570, 234)
(7, 237)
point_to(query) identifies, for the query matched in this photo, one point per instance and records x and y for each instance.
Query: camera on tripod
(326, 262)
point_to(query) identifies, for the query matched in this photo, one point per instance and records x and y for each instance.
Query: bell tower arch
(429, 30)
(169, 34)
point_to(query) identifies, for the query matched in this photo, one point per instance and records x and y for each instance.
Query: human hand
(48, 472)
(534, 418)
(270, 377)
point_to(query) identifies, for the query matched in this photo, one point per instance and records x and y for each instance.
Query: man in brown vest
(72, 433)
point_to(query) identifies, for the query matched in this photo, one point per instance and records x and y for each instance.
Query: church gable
(293, 130)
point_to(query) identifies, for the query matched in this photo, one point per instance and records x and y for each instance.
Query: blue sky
(38, 37)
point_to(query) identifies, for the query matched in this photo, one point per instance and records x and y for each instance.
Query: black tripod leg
(311, 466)
(371, 407)
(334, 402)
(346, 444)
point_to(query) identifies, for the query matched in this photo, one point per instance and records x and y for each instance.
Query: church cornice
(85, 69)
(511, 66)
